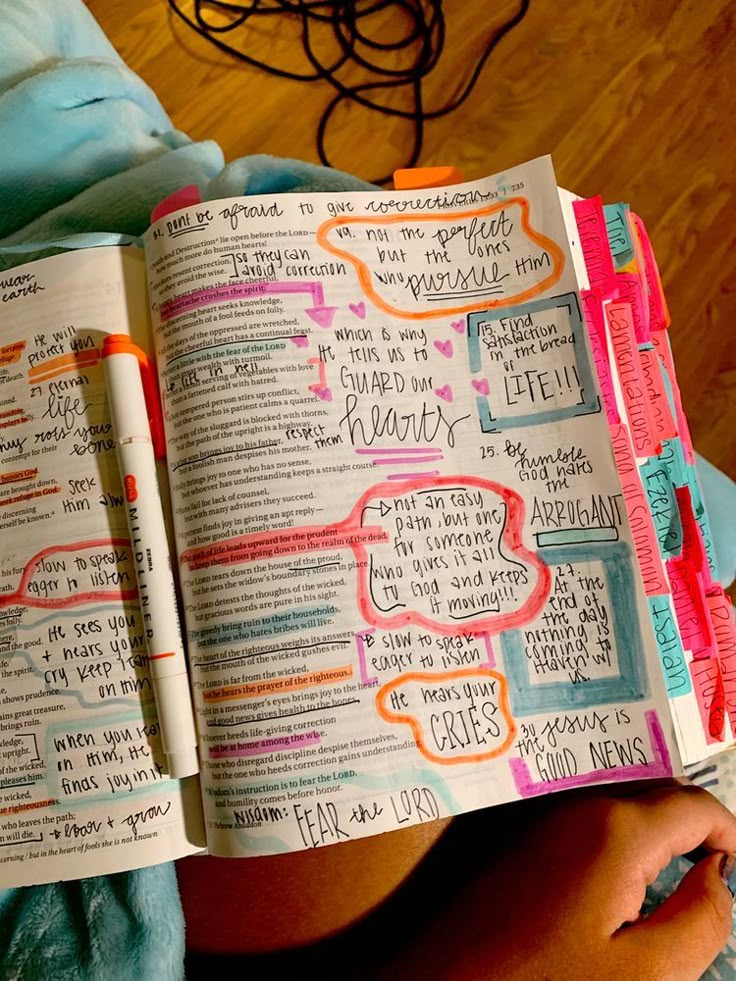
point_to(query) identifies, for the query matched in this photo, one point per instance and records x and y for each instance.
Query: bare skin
(559, 899)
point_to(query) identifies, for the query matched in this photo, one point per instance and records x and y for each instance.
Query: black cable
(424, 41)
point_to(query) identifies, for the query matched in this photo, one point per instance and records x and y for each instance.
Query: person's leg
(260, 904)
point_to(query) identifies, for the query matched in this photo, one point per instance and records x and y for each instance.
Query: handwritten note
(619, 317)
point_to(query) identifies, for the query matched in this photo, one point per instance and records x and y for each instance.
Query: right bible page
(410, 583)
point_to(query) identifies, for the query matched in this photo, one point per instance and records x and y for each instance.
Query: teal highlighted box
(589, 401)
(575, 536)
(298, 618)
(669, 646)
(631, 684)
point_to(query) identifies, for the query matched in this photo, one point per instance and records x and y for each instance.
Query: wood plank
(634, 101)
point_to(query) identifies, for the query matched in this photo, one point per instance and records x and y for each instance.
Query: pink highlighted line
(490, 656)
(282, 542)
(659, 767)
(411, 476)
(262, 746)
(400, 449)
(236, 291)
(407, 459)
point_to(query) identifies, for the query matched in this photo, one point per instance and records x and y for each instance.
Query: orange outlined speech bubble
(441, 264)
(455, 716)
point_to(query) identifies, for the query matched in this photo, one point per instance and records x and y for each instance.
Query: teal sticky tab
(619, 239)
(672, 457)
(660, 493)
(691, 480)
(668, 389)
(669, 647)
(701, 516)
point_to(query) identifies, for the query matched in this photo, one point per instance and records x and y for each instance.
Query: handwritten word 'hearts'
(444, 347)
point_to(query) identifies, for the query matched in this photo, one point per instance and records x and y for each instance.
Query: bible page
(82, 785)
(408, 573)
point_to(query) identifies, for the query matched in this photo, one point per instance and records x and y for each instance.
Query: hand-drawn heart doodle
(481, 385)
(358, 309)
(444, 347)
(458, 326)
(444, 392)
(322, 393)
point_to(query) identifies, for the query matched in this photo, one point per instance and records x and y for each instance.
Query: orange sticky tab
(417, 178)
(122, 344)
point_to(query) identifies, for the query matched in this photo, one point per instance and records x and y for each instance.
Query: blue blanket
(87, 153)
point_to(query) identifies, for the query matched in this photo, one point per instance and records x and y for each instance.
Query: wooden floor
(634, 100)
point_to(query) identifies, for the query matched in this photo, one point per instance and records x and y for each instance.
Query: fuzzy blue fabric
(88, 151)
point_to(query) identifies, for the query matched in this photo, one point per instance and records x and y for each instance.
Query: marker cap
(129, 368)
(183, 762)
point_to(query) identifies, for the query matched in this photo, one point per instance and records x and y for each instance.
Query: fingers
(683, 936)
(676, 820)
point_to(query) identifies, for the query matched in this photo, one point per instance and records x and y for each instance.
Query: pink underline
(407, 459)
(409, 476)
(401, 449)
(263, 746)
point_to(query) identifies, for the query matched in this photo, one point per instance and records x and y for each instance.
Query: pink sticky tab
(664, 352)
(721, 615)
(684, 431)
(692, 615)
(185, 197)
(710, 696)
(591, 223)
(593, 312)
(630, 291)
(640, 517)
(693, 547)
(724, 629)
(660, 412)
(626, 352)
(659, 314)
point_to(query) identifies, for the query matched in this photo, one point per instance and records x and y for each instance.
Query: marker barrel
(151, 558)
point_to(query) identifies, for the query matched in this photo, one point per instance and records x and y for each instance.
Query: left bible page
(82, 786)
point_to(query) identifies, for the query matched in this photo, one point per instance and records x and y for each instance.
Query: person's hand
(565, 902)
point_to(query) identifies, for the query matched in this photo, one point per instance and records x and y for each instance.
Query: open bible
(439, 537)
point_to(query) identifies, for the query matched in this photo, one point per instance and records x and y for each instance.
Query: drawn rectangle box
(589, 402)
(631, 683)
